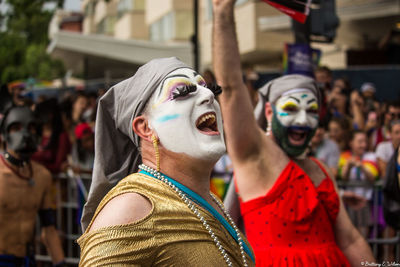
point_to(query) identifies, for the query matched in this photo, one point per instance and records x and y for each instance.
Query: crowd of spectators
(356, 137)
(67, 129)
(365, 134)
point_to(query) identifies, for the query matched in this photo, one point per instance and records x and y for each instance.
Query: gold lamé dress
(171, 235)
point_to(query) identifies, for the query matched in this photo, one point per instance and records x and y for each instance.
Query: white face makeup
(187, 121)
(298, 111)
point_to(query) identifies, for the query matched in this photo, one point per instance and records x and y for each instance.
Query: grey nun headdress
(277, 87)
(116, 145)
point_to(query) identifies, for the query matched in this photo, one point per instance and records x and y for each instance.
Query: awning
(104, 57)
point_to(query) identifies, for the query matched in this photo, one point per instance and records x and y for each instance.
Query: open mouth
(207, 124)
(297, 135)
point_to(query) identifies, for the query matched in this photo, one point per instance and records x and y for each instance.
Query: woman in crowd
(55, 144)
(357, 164)
(338, 131)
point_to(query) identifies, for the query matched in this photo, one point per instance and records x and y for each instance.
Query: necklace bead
(196, 212)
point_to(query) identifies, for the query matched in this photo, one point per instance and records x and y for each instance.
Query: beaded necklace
(196, 211)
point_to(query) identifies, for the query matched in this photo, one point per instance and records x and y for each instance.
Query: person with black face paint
(24, 192)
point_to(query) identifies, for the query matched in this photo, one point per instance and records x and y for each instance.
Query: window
(130, 5)
(163, 29)
(209, 12)
(239, 2)
(89, 9)
(106, 25)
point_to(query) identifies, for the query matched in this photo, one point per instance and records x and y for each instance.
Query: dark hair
(92, 95)
(48, 111)
(74, 100)
(392, 103)
(387, 104)
(66, 108)
(81, 152)
(323, 124)
(343, 122)
(355, 132)
(347, 86)
(393, 123)
(325, 69)
(78, 95)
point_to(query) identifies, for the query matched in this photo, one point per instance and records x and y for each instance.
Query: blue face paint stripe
(304, 96)
(283, 114)
(167, 118)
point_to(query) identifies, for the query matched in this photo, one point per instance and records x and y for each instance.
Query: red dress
(292, 225)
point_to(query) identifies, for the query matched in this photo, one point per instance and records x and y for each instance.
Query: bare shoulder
(123, 209)
(41, 172)
(328, 171)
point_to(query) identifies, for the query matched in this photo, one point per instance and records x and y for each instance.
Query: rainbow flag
(370, 165)
(218, 186)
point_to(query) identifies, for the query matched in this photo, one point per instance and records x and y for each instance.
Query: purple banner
(300, 59)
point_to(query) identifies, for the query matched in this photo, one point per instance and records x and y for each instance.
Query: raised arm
(356, 106)
(243, 135)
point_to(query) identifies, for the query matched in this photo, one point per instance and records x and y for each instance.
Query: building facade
(134, 31)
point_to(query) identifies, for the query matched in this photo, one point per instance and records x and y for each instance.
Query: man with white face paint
(289, 203)
(295, 117)
(164, 215)
(187, 117)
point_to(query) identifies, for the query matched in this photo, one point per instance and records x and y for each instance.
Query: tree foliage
(24, 40)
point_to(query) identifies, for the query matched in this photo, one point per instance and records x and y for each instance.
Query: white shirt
(384, 151)
(356, 174)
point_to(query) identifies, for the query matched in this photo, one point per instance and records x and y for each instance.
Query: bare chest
(18, 195)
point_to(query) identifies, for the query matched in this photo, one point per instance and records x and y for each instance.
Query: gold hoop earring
(157, 152)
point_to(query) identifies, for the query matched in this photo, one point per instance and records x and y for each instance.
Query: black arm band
(47, 217)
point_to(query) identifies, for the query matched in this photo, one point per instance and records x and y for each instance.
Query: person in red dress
(289, 203)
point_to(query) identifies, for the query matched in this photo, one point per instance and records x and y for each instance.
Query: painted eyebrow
(297, 100)
(172, 76)
(199, 79)
(197, 75)
(311, 100)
